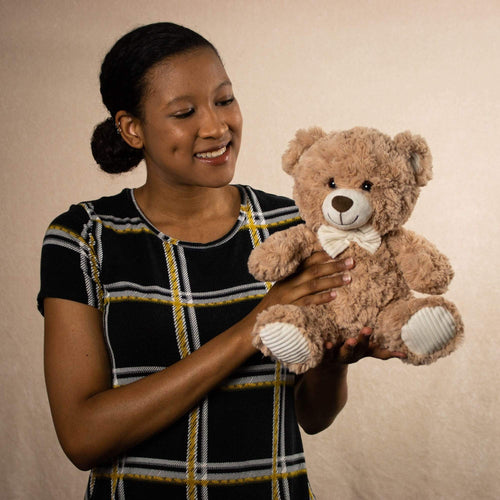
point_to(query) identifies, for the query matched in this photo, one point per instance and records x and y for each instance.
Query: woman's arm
(321, 393)
(95, 423)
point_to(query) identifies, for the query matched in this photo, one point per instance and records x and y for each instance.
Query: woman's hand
(314, 282)
(321, 393)
(356, 348)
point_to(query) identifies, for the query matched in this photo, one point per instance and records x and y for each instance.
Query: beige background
(428, 66)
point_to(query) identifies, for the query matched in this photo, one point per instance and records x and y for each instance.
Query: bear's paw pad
(286, 342)
(428, 330)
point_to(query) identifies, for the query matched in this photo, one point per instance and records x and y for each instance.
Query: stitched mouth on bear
(341, 223)
(346, 209)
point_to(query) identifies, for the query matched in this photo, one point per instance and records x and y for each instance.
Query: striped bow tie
(335, 241)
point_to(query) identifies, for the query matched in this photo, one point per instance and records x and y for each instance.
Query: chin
(221, 180)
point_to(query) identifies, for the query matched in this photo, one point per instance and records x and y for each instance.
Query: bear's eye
(366, 186)
(331, 183)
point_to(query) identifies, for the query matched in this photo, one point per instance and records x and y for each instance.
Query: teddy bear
(354, 190)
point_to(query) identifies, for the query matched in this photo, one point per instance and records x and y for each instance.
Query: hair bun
(111, 152)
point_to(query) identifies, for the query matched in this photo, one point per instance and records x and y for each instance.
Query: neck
(190, 213)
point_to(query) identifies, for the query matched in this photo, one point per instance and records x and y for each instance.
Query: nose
(342, 203)
(212, 125)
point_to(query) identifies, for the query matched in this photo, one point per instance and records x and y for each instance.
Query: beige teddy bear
(355, 189)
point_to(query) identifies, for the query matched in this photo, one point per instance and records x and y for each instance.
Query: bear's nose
(341, 203)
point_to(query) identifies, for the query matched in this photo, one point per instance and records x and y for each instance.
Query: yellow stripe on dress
(205, 482)
(252, 227)
(183, 345)
(270, 224)
(192, 454)
(174, 301)
(179, 320)
(256, 385)
(93, 259)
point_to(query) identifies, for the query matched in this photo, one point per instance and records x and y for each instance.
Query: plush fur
(358, 181)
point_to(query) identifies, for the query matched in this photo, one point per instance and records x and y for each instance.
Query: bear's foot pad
(428, 330)
(286, 342)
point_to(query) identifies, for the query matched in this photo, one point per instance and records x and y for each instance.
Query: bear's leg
(424, 329)
(290, 334)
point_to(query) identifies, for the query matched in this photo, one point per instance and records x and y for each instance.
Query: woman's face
(191, 126)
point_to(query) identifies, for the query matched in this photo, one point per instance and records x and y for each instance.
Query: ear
(417, 154)
(130, 129)
(303, 140)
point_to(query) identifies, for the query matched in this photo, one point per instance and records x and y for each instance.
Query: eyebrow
(188, 96)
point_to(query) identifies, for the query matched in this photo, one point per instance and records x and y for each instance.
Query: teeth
(212, 154)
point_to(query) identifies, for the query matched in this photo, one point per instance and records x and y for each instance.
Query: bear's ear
(416, 152)
(303, 140)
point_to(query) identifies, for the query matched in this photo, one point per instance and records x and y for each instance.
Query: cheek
(162, 144)
(235, 121)
(177, 139)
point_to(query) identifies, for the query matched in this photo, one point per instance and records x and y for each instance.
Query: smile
(341, 223)
(212, 154)
(348, 223)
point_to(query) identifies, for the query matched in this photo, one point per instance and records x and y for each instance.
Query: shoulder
(268, 212)
(82, 214)
(270, 206)
(268, 200)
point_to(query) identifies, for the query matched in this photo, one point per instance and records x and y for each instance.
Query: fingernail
(333, 294)
(366, 330)
(346, 278)
(349, 262)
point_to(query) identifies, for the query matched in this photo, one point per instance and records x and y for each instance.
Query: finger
(306, 292)
(364, 337)
(330, 354)
(316, 258)
(324, 265)
(358, 347)
(322, 269)
(318, 279)
(366, 330)
(329, 345)
(385, 354)
(347, 350)
(360, 344)
(315, 299)
(380, 353)
(316, 285)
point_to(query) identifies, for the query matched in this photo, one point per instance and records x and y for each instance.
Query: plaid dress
(161, 299)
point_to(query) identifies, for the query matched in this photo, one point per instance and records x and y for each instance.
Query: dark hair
(123, 85)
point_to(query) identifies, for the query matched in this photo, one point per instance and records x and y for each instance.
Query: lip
(218, 160)
(214, 148)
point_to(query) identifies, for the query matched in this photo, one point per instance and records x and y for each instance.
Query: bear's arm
(281, 254)
(425, 269)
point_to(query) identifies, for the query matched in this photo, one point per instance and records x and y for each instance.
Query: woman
(152, 378)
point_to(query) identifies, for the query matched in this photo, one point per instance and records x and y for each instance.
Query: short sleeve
(69, 263)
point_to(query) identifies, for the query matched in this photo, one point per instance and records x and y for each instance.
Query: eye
(184, 114)
(331, 183)
(366, 186)
(225, 102)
